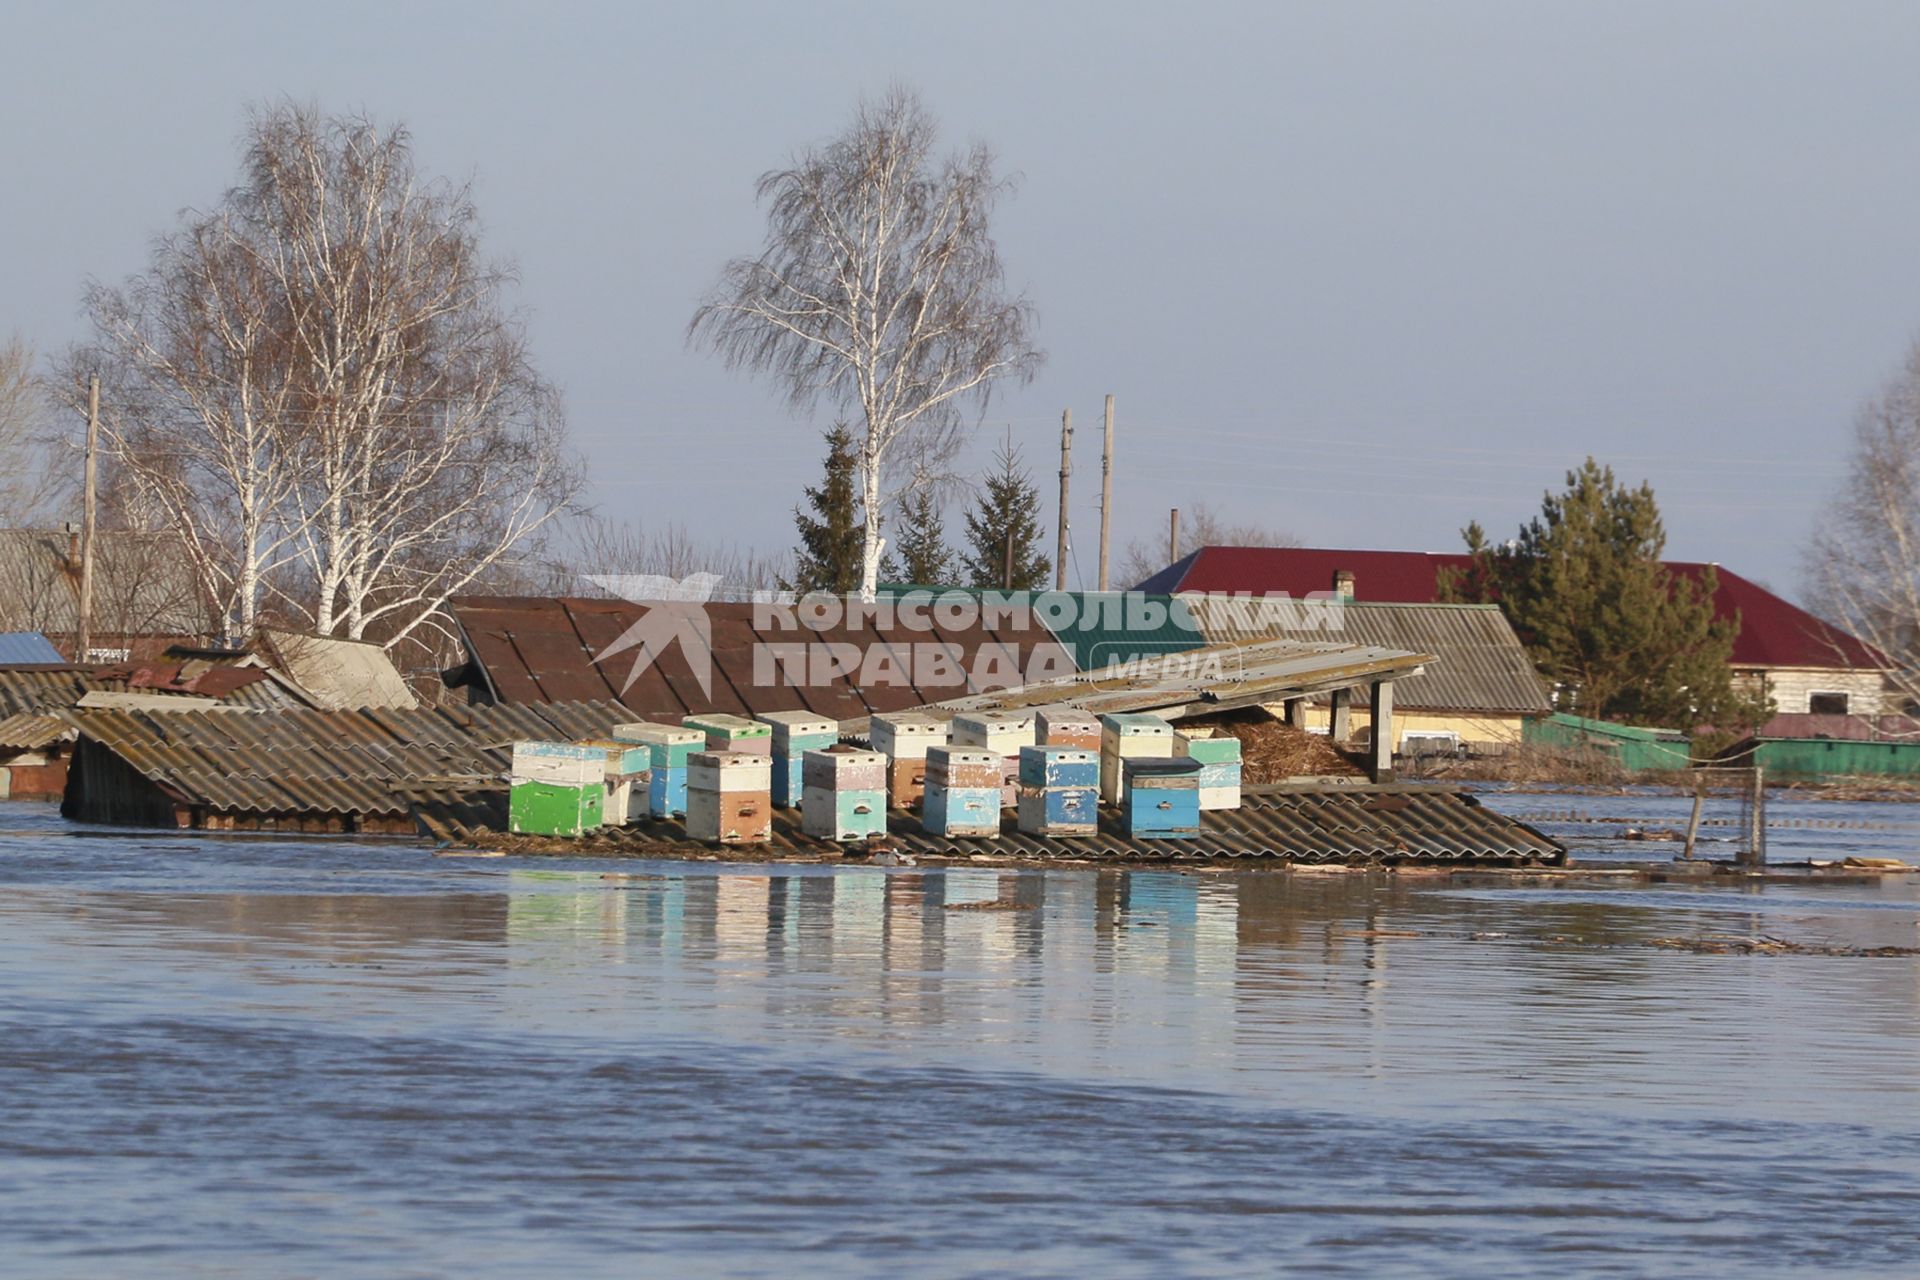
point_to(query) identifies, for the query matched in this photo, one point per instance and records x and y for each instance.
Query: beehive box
(556, 789)
(669, 747)
(1162, 798)
(844, 795)
(733, 733)
(794, 734)
(627, 764)
(1220, 767)
(965, 767)
(1059, 791)
(1067, 727)
(973, 812)
(1058, 766)
(906, 735)
(1001, 732)
(906, 782)
(1125, 737)
(728, 800)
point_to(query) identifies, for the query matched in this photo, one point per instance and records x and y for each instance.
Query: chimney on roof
(73, 543)
(1343, 583)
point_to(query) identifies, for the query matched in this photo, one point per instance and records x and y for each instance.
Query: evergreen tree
(1622, 635)
(920, 554)
(828, 557)
(1003, 514)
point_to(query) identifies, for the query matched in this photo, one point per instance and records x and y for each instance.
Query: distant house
(145, 595)
(1807, 665)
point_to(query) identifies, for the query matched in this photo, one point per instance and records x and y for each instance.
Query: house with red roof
(1808, 665)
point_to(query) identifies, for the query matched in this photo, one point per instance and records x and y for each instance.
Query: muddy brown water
(251, 1057)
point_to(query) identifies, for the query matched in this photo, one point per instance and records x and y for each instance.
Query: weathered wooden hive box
(1067, 727)
(669, 747)
(1003, 733)
(733, 733)
(1162, 800)
(844, 794)
(556, 789)
(904, 737)
(1059, 791)
(794, 734)
(1128, 736)
(626, 764)
(963, 792)
(729, 798)
(1220, 766)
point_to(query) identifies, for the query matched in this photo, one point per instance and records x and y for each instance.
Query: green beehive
(557, 789)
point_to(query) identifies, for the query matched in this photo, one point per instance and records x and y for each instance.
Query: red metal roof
(1773, 632)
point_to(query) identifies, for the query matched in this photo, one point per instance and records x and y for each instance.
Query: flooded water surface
(224, 1056)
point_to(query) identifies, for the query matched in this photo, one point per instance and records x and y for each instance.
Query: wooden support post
(1756, 852)
(1173, 536)
(1693, 819)
(1066, 468)
(1340, 727)
(1297, 713)
(1106, 495)
(1381, 759)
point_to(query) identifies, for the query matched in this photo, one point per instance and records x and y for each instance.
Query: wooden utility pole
(84, 647)
(1066, 467)
(1173, 536)
(1106, 495)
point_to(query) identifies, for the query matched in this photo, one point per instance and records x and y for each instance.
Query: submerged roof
(1360, 823)
(1774, 632)
(326, 763)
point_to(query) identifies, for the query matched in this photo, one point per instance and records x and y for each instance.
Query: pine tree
(920, 554)
(828, 557)
(1624, 636)
(1003, 516)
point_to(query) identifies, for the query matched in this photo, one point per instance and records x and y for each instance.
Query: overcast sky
(1362, 272)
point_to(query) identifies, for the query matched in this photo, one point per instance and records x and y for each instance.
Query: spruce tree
(828, 557)
(1623, 636)
(1003, 515)
(920, 554)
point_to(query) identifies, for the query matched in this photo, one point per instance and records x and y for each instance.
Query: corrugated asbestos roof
(323, 763)
(1224, 677)
(48, 688)
(1481, 667)
(28, 731)
(1403, 823)
(339, 674)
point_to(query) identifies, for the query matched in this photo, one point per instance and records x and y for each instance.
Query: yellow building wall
(1500, 730)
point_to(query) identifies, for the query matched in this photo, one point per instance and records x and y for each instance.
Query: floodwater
(247, 1057)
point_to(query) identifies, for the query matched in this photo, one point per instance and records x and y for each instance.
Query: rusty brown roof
(537, 649)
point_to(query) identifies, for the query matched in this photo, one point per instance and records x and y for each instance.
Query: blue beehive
(794, 734)
(963, 793)
(1162, 798)
(1059, 791)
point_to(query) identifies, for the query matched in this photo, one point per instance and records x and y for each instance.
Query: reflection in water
(513, 1067)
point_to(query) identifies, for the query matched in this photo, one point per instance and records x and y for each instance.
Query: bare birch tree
(26, 477)
(1863, 565)
(198, 392)
(879, 290)
(321, 386)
